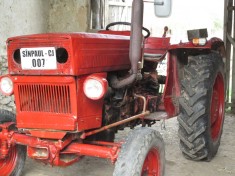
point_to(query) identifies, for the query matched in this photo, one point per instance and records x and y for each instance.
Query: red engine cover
(87, 53)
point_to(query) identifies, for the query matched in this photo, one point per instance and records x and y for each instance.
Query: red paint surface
(88, 53)
(156, 45)
(39, 104)
(54, 104)
(152, 163)
(172, 86)
(217, 107)
(8, 164)
(43, 104)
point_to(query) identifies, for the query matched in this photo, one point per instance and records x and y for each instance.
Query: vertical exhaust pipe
(135, 45)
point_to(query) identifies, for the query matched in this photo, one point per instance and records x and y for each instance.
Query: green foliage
(217, 25)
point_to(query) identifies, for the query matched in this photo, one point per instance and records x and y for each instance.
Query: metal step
(157, 116)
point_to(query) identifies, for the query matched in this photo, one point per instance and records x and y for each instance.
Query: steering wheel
(127, 24)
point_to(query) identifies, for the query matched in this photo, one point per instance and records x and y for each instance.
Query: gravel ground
(176, 165)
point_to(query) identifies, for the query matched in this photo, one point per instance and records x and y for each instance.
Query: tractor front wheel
(202, 107)
(142, 154)
(13, 163)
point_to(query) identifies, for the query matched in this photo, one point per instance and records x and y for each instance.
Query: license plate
(38, 58)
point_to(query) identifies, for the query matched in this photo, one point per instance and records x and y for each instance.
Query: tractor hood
(67, 54)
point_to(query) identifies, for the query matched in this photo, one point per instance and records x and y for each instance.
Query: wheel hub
(152, 164)
(217, 107)
(7, 164)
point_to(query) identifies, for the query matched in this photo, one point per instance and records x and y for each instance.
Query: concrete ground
(176, 165)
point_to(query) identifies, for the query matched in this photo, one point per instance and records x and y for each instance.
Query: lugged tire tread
(185, 141)
(194, 107)
(197, 133)
(185, 125)
(187, 108)
(195, 117)
(197, 96)
(188, 88)
(199, 147)
(134, 149)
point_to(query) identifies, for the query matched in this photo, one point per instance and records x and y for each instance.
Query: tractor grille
(45, 98)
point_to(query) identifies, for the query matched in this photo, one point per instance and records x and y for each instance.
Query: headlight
(95, 87)
(6, 85)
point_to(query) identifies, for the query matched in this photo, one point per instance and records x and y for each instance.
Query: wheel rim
(7, 164)
(217, 107)
(152, 164)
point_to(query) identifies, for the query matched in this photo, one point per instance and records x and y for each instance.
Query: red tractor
(74, 91)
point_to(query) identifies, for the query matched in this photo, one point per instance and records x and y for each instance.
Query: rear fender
(177, 59)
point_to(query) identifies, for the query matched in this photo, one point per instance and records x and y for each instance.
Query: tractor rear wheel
(12, 164)
(201, 106)
(142, 154)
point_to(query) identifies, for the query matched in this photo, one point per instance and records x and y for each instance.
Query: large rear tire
(142, 154)
(13, 164)
(202, 107)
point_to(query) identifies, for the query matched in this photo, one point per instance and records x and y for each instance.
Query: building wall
(69, 15)
(38, 16)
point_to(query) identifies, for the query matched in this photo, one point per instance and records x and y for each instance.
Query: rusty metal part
(135, 45)
(165, 31)
(157, 116)
(153, 103)
(85, 134)
(144, 100)
(104, 143)
(141, 115)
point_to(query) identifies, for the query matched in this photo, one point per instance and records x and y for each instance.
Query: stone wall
(39, 16)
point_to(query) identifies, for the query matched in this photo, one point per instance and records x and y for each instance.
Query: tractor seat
(153, 57)
(155, 48)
